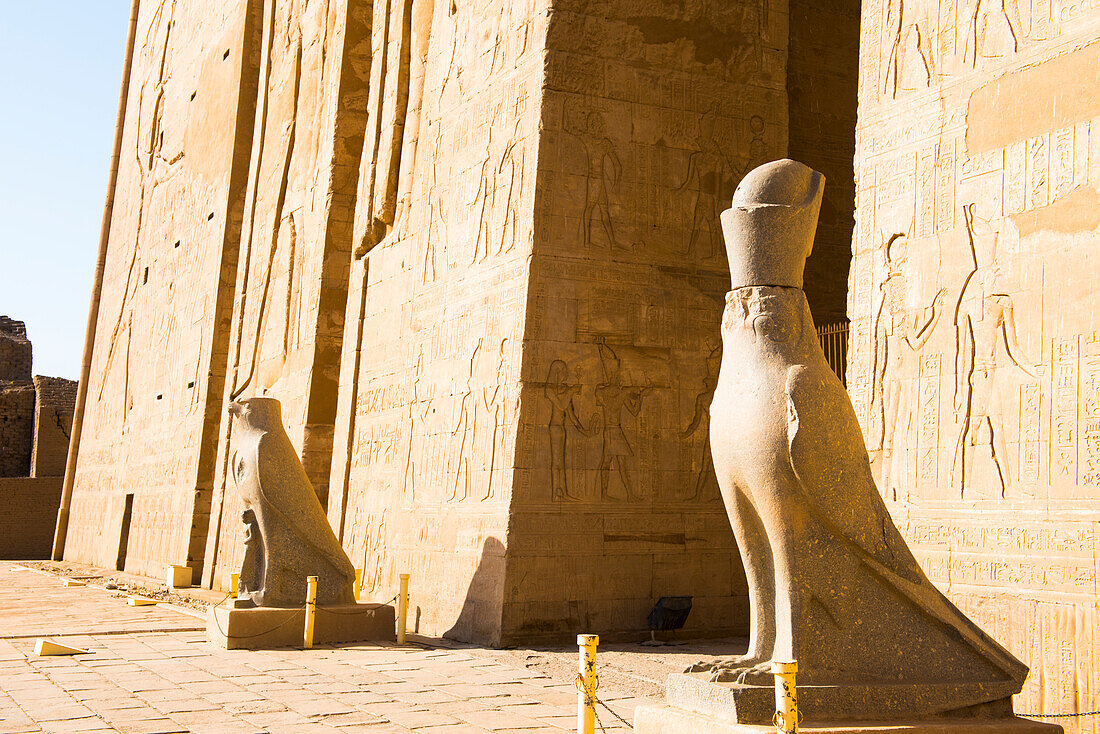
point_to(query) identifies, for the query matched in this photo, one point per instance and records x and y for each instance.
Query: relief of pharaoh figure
(560, 394)
(901, 332)
(831, 581)
(614, 398)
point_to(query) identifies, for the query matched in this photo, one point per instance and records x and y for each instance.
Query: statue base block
(700, 706)
(672, 720)
(268, 627)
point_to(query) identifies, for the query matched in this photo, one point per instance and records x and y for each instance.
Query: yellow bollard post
(311, 609)
(786, 697)
(402, 608)
(358, 588)
(234, 582)
(588, 680)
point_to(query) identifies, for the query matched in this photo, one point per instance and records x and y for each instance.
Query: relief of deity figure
(991, 31)
(700, 422)
(984, 319)
(606, 168)
(900, 333)
(562, 411)
(713, 173)
(465, 433)
(908, 65)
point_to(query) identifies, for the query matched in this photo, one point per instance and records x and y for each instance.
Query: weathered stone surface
(154, 394)
(292, 269)
(35, 419)
(529, 359)
(16, 428)
(287, 535)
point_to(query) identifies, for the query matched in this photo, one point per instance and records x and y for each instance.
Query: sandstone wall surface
(295, 250)
(28, 509)
(822, 65)
(16, 428)
(974, 359)
(155, 387)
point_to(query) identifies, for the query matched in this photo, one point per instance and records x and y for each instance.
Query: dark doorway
(124, 533)
(822, 79)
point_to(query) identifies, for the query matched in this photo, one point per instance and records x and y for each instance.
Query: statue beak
(235, 408)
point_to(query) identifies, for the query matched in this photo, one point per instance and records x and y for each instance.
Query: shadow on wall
(479, 620)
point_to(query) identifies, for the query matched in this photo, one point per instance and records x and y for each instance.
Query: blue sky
(62, 62)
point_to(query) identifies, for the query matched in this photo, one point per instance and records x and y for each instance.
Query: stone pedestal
(268, 627)
(697, 705)
(672, 720)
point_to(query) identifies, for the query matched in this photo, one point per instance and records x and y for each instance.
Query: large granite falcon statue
(831, 581)
(295, 539)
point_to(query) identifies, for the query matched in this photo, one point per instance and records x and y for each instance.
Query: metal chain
(284, 623)
(578, 682)
(625, 722)
(358, 611)
(1060, 716)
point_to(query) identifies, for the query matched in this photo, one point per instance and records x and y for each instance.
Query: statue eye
(238, 466)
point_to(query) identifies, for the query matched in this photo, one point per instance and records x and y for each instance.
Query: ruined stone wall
(16, 399)
(55, 398)
(652, 113)
(422, 468)
(292, 276)
(15, 351)
(155, 387)
(975, 350)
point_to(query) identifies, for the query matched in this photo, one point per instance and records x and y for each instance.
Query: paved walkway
(150, 671)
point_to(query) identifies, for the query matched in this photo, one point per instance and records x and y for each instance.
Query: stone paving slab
(151, 671)
(74, 610)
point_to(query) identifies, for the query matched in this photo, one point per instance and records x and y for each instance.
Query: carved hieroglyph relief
(433, 329)
(972, 351)
(159, 320)
(636, 164)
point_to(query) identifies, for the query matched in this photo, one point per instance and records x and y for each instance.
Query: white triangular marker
(73, 582)
(43, 647)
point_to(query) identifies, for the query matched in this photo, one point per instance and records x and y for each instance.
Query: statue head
(257, 413)
(769, 230)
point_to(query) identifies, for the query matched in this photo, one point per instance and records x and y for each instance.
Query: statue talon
(746, 672)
